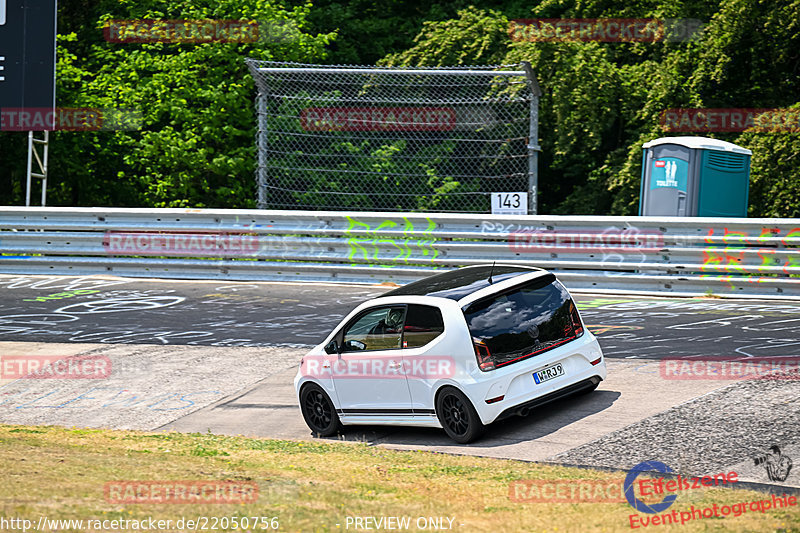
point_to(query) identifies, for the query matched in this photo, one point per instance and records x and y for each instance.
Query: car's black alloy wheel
(318, 411)
(457, 416)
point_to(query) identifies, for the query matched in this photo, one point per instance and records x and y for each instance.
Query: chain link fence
(394, 139)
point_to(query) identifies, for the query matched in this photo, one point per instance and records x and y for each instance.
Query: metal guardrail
(681, 256)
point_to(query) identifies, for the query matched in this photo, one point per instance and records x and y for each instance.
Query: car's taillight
(484, 356)
(576, 320)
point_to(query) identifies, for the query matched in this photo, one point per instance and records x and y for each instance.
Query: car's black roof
(459, 283)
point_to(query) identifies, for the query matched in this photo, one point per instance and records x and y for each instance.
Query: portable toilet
(694, 177)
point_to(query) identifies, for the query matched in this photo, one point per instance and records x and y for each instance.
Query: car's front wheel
(457, 416)
(318, 411)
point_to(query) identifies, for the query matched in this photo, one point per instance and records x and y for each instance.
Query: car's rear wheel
(457, 416)
(318, 411)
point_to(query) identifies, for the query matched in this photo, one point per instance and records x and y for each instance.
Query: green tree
(367, 30)
(602, 101)
(748, 57)
(196, 146)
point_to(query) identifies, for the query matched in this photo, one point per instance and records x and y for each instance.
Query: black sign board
(27, 55)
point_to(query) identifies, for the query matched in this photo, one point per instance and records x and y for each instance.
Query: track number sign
(509, 203)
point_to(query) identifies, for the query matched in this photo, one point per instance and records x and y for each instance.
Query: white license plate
(548, 373)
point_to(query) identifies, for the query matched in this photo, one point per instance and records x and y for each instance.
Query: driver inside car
(389, 325)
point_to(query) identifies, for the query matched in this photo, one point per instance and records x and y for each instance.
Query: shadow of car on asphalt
(541, 421)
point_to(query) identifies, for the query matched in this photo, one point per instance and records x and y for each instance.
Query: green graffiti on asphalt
(59, 295)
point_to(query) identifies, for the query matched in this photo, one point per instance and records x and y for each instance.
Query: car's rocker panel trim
(385, 412)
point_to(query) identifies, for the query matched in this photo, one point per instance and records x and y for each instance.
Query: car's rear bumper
(497, 393)
(523, 408)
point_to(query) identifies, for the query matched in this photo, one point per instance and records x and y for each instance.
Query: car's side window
(377, 329)
(423, 324)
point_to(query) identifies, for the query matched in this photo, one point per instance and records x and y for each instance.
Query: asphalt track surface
(126, 311)
(220, 356)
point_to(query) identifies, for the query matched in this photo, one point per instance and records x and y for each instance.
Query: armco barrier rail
(735, 257)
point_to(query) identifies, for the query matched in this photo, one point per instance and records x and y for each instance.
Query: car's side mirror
(354, 345)
(332, 347)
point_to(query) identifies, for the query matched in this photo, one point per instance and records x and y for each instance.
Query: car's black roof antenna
(491, 272)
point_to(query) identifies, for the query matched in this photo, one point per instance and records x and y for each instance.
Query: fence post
(533, 140)
(261, 143)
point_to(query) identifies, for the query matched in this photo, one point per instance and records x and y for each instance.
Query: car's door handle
(326, 365)
(394, 364)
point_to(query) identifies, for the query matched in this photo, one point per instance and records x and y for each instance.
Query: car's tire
(318, 411)
(457, 416)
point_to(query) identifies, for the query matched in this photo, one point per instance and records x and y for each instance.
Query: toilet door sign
(509, 203)
(669, 172)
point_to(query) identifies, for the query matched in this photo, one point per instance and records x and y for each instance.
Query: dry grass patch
(313, 486)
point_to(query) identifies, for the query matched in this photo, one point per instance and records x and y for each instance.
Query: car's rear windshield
(524, 321)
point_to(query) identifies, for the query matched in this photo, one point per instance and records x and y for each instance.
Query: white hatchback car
(458, 350)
